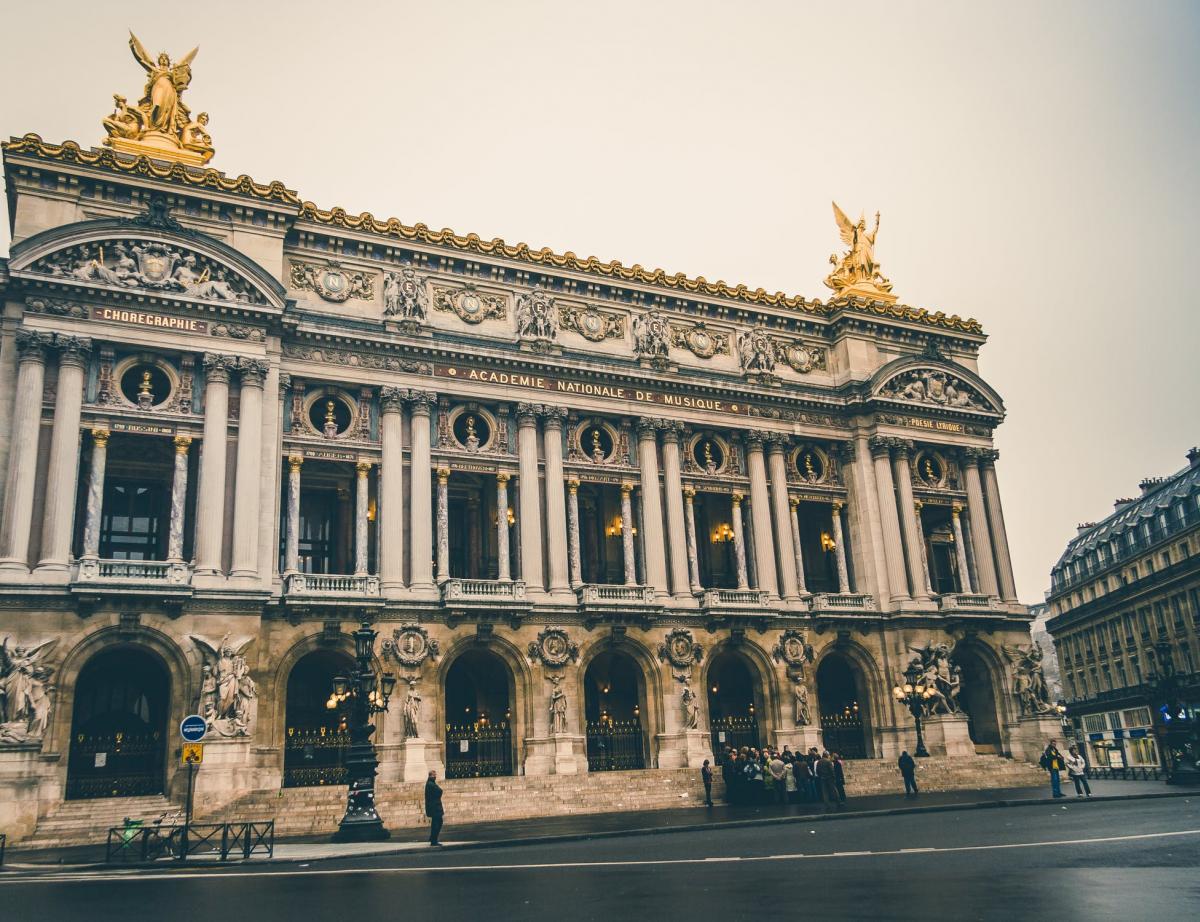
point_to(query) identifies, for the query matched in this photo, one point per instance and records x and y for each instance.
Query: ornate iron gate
(474, 751)
(843, 734)
(314, 756)
(615, 745)
(116, 765)
(734, 731)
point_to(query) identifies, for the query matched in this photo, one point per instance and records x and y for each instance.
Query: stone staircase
(86, 822)
(941, 773)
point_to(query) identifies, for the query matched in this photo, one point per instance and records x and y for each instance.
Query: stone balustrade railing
(328, 584)
(483, 589)
(842, 601)
(134, 571)
(733, 598)
(601, 594)
(967, 601)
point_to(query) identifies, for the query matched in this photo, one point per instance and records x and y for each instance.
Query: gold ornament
(857, 274)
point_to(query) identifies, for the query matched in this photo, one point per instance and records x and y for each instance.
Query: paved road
(1131, 860)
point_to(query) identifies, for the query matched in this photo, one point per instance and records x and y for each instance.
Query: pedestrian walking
(908, 771)
(706, 777)
(433, 809)
(839, 776)
(1053, 762)
(827, 782)
(1077, 772)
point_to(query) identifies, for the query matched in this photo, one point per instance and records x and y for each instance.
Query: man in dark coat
(908, 771)
(827, 782)
(433, 808)
(729, 772)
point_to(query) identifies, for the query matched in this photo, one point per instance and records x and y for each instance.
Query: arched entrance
(613, 692)
(316, 736)
(842, 701)
(119, 726)
(478, 716)
(733, 704)
(978, 700)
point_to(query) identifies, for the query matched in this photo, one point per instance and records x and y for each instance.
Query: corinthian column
(504, 566)
(210, 506)
(794, 503)
(247, 490)
(760, 514)
(839, 550)
(291, 541)
(420, 494)
(627, 534)
(63, 471)
(530, 504)
(556, 518)
(991, 487)
(573, 548)
(677, 534)
(960, 548)
(95, 494)
(980, 541)
(928, 581)
(785, 553)
(443, 524)
(893, 548)
(739, 542)
(361, 507)
(179, 481)
(652, 523)
(913, 541)
(22, 462)
(693, 551)
(391, 490)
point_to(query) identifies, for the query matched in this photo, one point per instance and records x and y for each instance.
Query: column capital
(285, 384)
(391, 399)
(527, 414)
(918, 506)
(73, 350)
(737, 498)
(182, 444)
(32, 345)
(988, 457)
(626, 487)
(648, 426)
(847, 449)
(503, 477)
(972, 456)
(689, 493)
(902, 447)
(295, 462)
(573, 485)
(363, 467)
(836, 506)
(253, 371)
(672, 431)
(100, 436)
(956, 510)
(421, 402)
(443, 475)
(793, 501)
(552, 416)
(217, 366)
(777, 442)
(754, 439)
(881, 446)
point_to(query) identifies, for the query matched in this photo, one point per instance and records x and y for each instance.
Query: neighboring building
(237, 423)
(1123, 584)
(1037, 630)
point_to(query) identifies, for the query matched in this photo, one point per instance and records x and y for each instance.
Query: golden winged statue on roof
(160, 125)
(856, 272)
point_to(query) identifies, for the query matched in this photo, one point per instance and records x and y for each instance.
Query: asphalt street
(1064, 860)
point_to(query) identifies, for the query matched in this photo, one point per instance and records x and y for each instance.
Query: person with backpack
(1053, 762)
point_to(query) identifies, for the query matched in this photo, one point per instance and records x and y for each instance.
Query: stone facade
(602, 517)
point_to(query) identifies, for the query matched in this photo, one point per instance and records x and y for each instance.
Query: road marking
(200, 874)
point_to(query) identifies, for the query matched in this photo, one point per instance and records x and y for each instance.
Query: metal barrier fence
(1126, 774)
(135, 843)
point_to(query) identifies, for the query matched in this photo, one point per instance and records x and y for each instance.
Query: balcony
(604, 600)
(969, 601)
(153, 577)
(733, 599)
(329, 586)
(493, 594)
(838, 602)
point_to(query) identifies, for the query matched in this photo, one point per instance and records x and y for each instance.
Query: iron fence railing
(1132, 773)
(134, 843)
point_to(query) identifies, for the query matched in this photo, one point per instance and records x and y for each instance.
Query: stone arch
(649, 693)
(851, 677)
(765, 697)
(989, 400)
(983, 697)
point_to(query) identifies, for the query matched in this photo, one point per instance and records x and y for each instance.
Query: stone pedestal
(539, 756)
(21, 777)
(412, 760)
(229, 769)
(800, 739)
(1028, 736)
(684, 749)
(565, 747)
(946, 735)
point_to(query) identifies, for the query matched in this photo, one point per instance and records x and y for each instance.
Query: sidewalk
(649, 822)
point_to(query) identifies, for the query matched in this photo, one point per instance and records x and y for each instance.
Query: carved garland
(592, 324)
(469, 304)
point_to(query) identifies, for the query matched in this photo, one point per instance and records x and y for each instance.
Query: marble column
(529, 502)
(179, 479)
(627, 534)
(991, 487)
(785, 550)
(362, 506)
(22, 463)
(95, 495)
(573, 550)
(210, 506)
(980, 541)
(291, 541)
(928, 580)
(556, 518)
(794, 504)
(443, 524)
(693, 551)
(678, 548)
(747, 511)
(960, 549)
(62, 474)
(247, 492)
(839, 549)
(390, 525)
(902, 472)
(653, 541)
(420, 494)
(504, 565)
(893, 547)
(739, 542)
(760, 515)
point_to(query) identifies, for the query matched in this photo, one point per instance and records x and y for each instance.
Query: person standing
(1053, 762)
(1077, 772)
(908, 771)
(839, 776)
(433, 808)
(827, 781)
(778, 770)
(729, 774)
(706, 777)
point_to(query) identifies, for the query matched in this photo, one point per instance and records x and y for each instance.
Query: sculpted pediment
(935, 384)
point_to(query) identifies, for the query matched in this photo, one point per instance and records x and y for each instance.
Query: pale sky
(1035, 164)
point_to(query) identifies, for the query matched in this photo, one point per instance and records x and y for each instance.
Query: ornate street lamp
(362, 822)
(1175, 727)
(914, 694)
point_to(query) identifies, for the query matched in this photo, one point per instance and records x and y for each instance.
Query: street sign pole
(192, 729)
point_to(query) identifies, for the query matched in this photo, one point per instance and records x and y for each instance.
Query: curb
(622, 833)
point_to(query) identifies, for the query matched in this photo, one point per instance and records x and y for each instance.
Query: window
(1185, 651)
(134, 523)
(1143, 751)
(1121, 676)
(1137, 717)
(1095, 723)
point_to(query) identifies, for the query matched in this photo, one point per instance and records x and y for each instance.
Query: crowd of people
(770, 776)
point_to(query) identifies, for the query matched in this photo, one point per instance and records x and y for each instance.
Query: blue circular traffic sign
(192, 728)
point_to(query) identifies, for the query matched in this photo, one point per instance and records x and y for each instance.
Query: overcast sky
(1035, 164)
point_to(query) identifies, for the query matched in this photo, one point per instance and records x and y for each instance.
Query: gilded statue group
(856, 272)
(161, 121)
